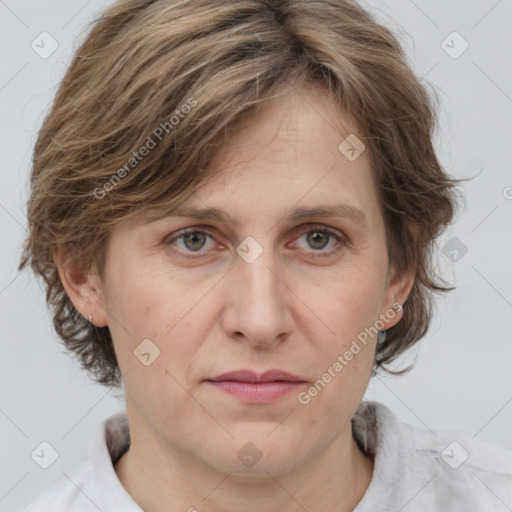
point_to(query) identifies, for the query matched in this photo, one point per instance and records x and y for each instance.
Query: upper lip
(250, 376)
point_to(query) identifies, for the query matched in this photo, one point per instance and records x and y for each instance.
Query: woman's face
(261, 289)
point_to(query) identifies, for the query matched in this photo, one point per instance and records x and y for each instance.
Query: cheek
(348, 305)
(347, 301)
(344, 370)
(159, 321)
(147, 299)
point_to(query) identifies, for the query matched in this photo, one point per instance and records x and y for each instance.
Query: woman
(233, 207)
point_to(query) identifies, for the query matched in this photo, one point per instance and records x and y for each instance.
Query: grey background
(462, 374)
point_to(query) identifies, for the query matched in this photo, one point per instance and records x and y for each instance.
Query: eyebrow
(341, 211)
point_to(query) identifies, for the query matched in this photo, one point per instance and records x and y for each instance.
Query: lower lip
(257, 392)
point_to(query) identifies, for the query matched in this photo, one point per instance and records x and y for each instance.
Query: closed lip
(251, 376)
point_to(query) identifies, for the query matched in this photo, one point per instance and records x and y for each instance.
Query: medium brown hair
(191, 69)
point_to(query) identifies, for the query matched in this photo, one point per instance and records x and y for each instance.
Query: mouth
(251, 387)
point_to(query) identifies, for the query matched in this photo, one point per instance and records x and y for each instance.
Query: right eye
(192, 241)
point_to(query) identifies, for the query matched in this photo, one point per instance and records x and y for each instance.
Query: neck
(164, 478)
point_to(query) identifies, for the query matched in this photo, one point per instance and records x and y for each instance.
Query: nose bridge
(256, 304)
(258, 281)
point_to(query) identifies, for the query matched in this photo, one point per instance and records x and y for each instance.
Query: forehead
(291, 126)
(288, 157)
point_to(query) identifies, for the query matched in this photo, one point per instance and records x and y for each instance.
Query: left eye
(318, 239)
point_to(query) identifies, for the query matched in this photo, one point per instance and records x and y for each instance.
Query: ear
(398, 289)
(84, 289)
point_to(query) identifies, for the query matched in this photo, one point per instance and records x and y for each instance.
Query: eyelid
(169, 239)
(340, 237)
(305, 228)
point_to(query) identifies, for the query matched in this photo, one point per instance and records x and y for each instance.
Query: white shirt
(415, 469)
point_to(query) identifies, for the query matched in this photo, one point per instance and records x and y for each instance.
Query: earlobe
(402, 287)
(397, 293)
(83, 288)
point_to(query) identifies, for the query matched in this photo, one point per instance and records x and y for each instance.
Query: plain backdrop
(462, 378)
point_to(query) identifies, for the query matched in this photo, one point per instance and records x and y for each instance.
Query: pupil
(315, 235)
(194, 237)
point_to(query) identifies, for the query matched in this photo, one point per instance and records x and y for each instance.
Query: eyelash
(316, 254)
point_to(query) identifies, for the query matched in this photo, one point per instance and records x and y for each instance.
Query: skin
(287, 310)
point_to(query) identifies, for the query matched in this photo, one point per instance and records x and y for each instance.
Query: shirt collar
(375, 429)
(379, 433)
(109, 441)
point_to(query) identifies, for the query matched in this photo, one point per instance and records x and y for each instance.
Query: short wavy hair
(182, 73)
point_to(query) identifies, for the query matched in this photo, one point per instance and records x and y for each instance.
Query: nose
(257, 302)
